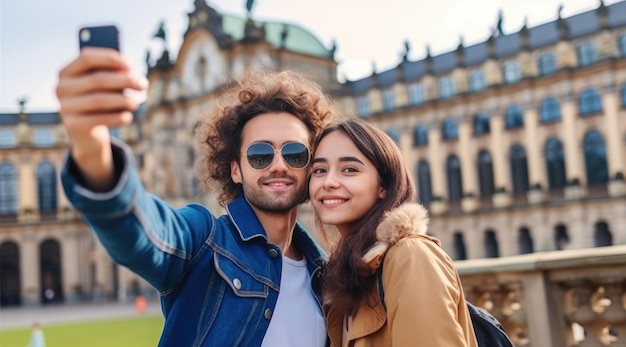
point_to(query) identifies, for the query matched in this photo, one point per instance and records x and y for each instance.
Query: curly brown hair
(219, 133)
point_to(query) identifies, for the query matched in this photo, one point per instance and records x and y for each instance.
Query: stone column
(570, 141)
(29, 268)
(545, 323)
(468, 167)
(499, 157)
(27, 188)
(70, 264)
(613, 150)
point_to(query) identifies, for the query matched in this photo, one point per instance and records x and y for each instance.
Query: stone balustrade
(554, 299)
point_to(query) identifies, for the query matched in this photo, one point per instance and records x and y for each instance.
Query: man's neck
(279, 230)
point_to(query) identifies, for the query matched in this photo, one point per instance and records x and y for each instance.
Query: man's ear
(235, 172)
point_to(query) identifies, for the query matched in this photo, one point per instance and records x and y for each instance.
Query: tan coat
(423, 293)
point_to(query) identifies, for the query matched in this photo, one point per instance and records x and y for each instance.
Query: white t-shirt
(297, 319)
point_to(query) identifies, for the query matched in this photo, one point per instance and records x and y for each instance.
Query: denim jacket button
(272, 253)
(268, 313)
(237, 283)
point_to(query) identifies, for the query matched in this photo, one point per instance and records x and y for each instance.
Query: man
(247, 278)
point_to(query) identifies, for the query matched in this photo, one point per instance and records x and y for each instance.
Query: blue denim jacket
(218, 277)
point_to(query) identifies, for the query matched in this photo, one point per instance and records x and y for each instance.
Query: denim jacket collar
(245, 220)
(249, 227)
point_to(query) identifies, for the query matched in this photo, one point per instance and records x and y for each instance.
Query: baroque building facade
(517, 144)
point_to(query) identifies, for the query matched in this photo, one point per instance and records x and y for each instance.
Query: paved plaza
(19, 317)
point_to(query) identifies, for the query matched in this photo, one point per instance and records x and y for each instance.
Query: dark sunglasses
(261, 154)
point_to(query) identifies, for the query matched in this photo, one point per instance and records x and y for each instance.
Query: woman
(360, 185)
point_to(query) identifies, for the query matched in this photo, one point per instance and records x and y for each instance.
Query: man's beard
(274, 203)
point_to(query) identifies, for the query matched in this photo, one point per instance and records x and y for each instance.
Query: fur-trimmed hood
(406, 220)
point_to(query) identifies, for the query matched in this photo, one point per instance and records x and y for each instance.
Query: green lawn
(123, 332)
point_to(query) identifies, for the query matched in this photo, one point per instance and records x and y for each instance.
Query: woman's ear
(381, 193)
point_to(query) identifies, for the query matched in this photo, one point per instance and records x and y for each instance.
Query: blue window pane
(485, 174)
(395, 135)
(362, 106)
(446, 87)
(477, 81)
(417, 94)
(514, 118)
(481, 124)
(547, 63)
(555, 164)
(491, 244)
(450, 130)
(47, 187)
(589, 102)
(455, 183)
(519, 169)
(420, 135)
(389, 100)
(525, 241)
(587, 54)
(8, 189)
(595, 158)
(424, 186)
(512, 72)
(550, 110)
(460, 251)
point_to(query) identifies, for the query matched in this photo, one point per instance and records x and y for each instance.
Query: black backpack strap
(381, 288)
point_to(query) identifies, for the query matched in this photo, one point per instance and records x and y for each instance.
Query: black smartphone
(106, 36)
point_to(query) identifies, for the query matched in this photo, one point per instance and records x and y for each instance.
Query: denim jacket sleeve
(139, 230)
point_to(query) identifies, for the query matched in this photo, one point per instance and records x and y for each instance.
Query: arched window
(47, 188)
(50, 260)
(587, 54)
(450, 129)
(481, 124)
(485, 174)
(589, 102)
(514, 117)
(595, 158)
(455, 183)
(362, 106)
(8, 189)
(550, 110)
(446, 87)
(389, 100)
(519, 169)
(561, 237)
(10, 275)
(420, 135)
(491, 244)
(424, 187)
(555, 163)
(622, 44)
(476, 80)
(547, 63)
(395, 135)
(417, 95)
(460, 252)
(511, 71)
(525, 241)
(602, 235)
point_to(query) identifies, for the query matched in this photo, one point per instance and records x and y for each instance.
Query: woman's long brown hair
(347, 280)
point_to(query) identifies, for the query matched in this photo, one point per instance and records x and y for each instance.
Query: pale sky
(37, 37)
